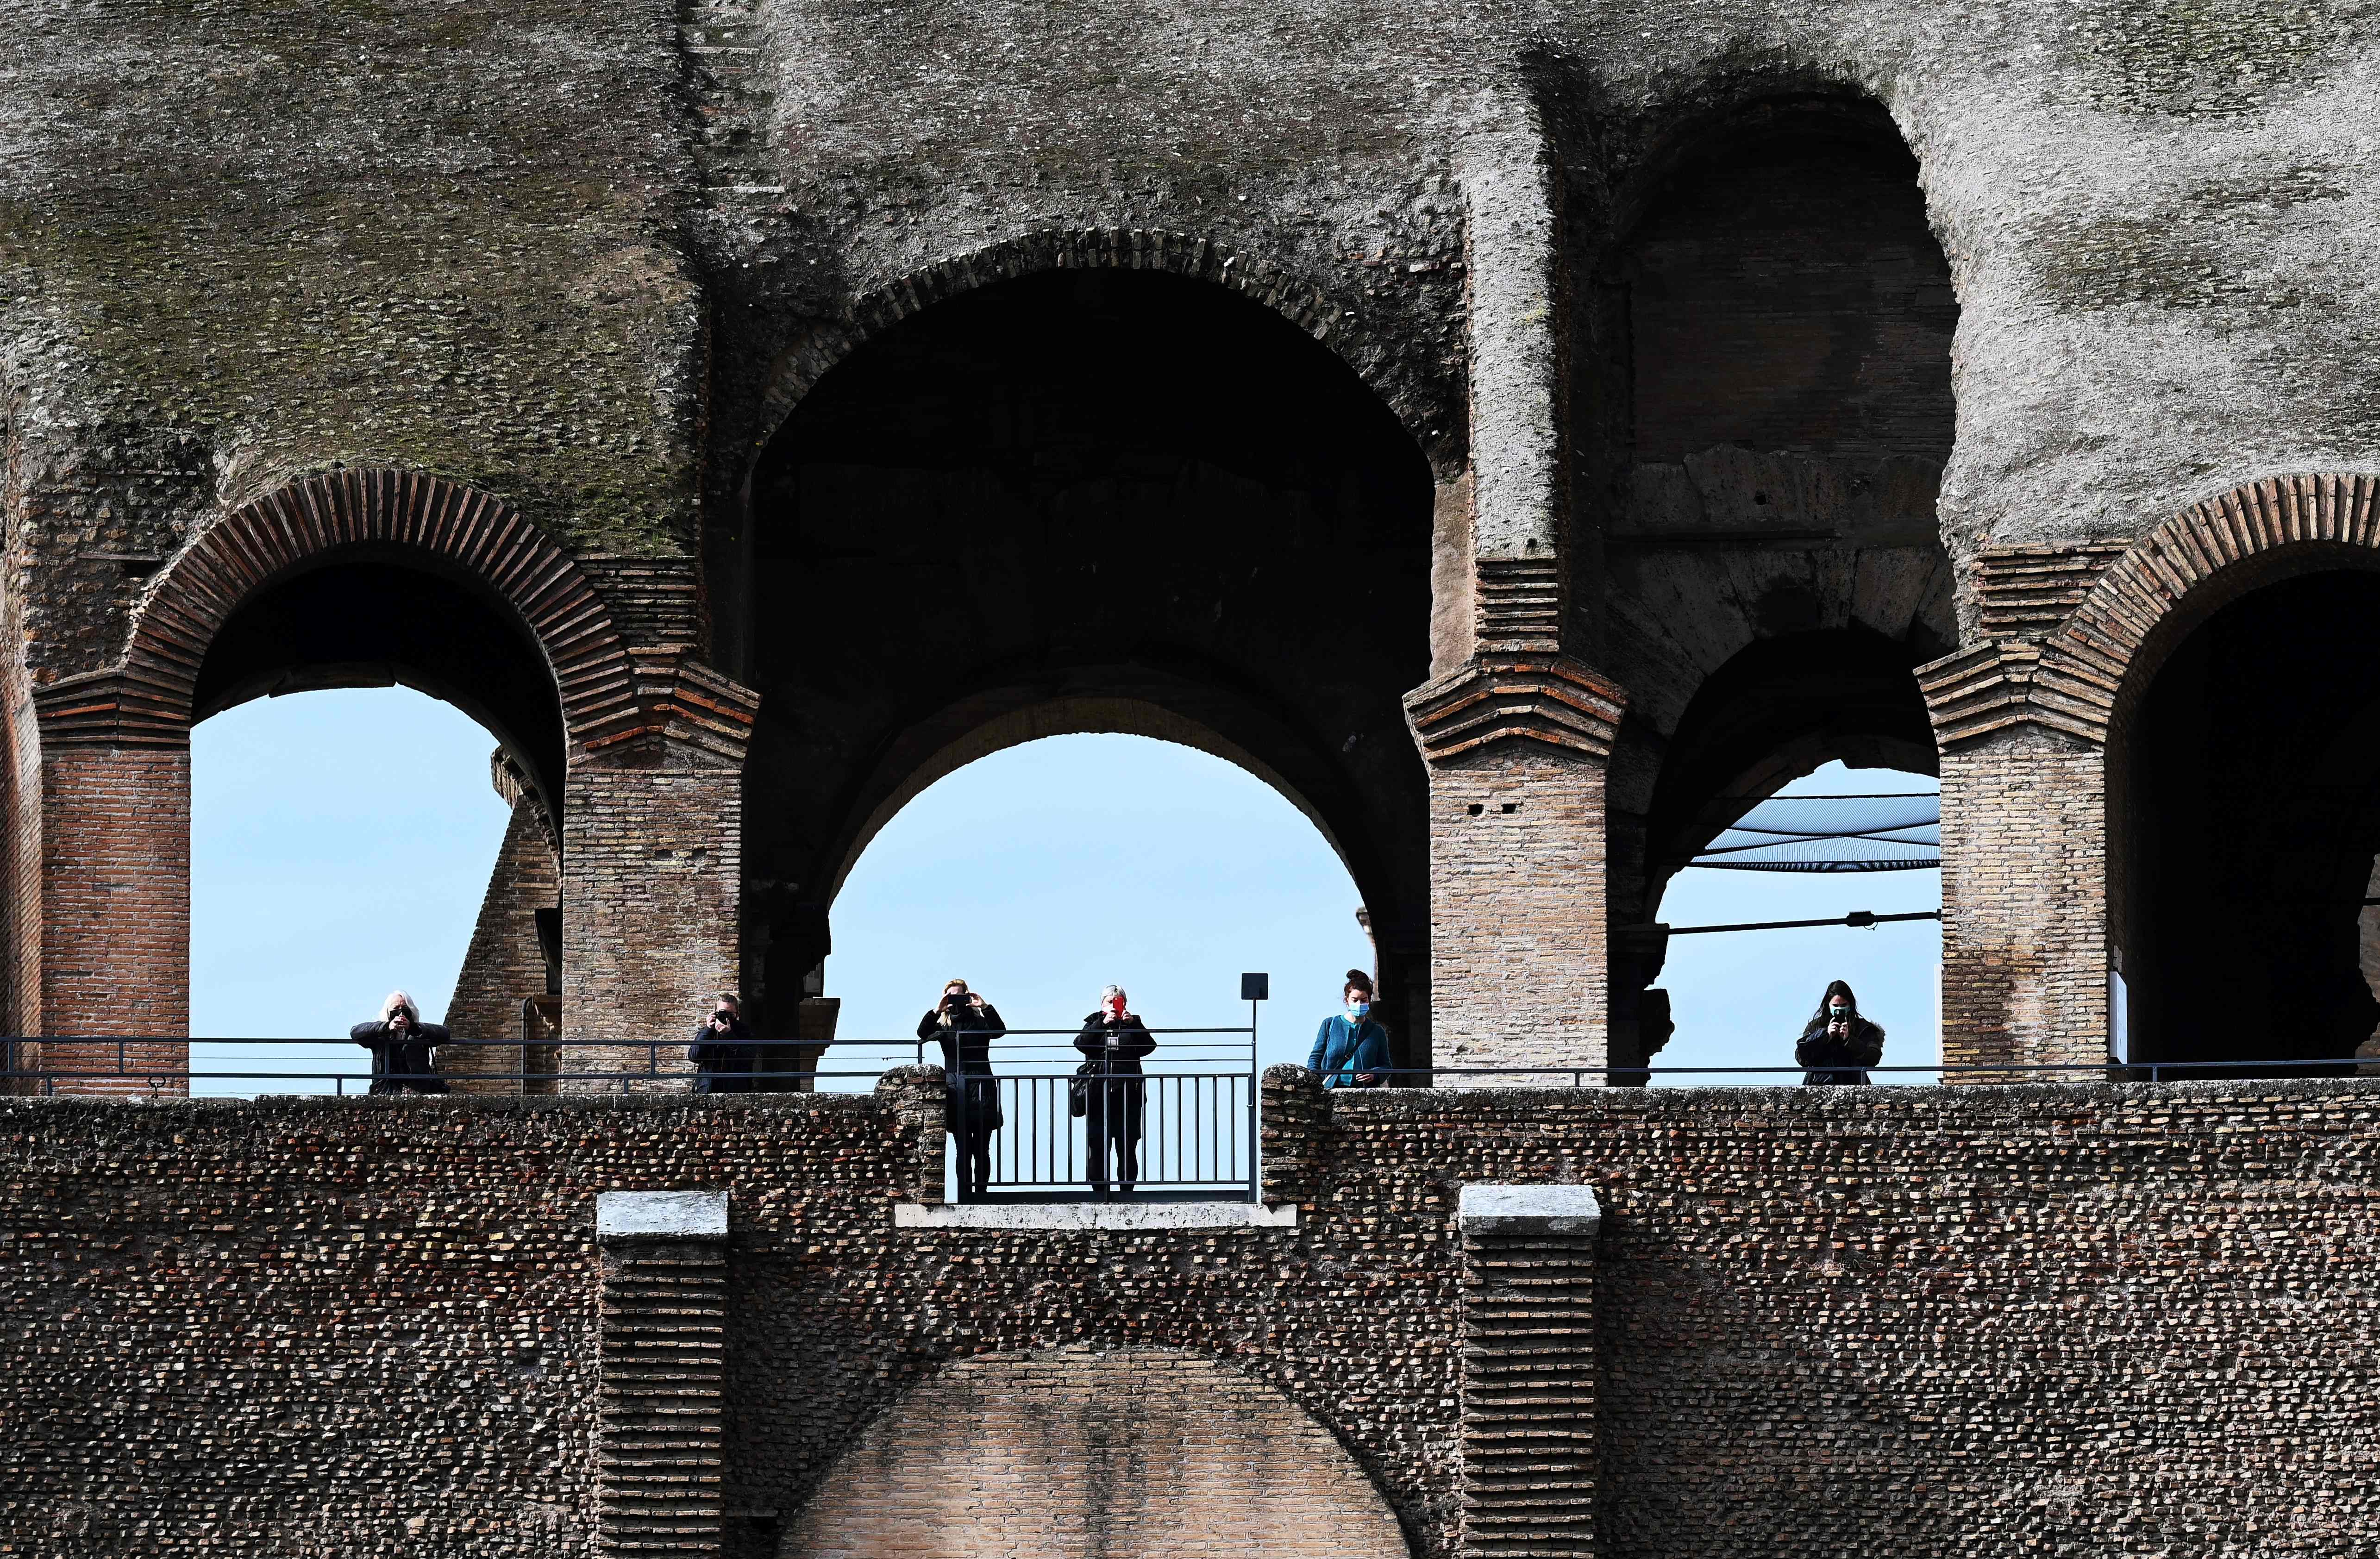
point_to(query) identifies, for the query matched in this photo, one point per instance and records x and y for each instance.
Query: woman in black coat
(1115, 1040)
(964, 1024)
(1838, 1045)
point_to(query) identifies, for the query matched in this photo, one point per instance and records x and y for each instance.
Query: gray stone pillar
(664, 1418)
(1515, 732)
(1529, 1428)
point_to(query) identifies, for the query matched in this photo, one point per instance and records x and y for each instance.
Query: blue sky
(341, 844)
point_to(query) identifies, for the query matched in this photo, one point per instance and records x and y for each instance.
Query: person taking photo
(1115, 1040)
(1838, 1045)
(964, 1025)
(403, 1048)
(725, 1059)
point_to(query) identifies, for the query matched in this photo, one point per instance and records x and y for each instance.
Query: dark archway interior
(2250, 814)
(1770, 423)
(1786, 292)
(1068, 488)
(362, 620)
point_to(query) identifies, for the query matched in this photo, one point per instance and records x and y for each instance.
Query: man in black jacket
(1838, 1045)
(402, 1047)
(725, 1059)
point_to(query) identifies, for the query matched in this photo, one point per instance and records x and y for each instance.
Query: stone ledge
(661, 1215)
(1054, 1217)
(1558, 1209)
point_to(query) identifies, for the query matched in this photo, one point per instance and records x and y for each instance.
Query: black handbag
(1078, 1088)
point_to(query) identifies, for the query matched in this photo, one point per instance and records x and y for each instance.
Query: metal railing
(1179, 1124)
(45, 1061)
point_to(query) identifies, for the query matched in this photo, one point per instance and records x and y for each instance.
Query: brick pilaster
(114, 897)
(2024, 901)
(659, 1484)
(1528, 1426)
(1516, 746)
(652, 873)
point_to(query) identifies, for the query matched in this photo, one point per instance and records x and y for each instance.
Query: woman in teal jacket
(1352, 1049)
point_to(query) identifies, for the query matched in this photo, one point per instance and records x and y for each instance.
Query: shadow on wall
(1148, 1452)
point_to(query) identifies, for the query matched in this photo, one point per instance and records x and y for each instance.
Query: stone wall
(1888, 1322)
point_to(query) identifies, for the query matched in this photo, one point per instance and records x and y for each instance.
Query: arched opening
(1078, 1452)
(2245, 812)
(307, 898)
(1089, 500)
(1765, 427)
(340, 843)
(1053, 866)
(1843, 703)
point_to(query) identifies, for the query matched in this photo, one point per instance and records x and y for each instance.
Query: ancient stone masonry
(1862, 1322)
(664, 1346)
(1528, 1370)
(652, 361)
(2034, 729)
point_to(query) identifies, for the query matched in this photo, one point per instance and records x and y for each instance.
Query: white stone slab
(1046, 1217)
(1558, 1209)
(661, 1215)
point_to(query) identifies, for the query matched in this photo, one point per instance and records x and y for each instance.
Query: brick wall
(506, 962)
(116, 908)
(1075, 1450)
(1889, 1321)
(651, 880)
(2025, 899)
(1518, 971)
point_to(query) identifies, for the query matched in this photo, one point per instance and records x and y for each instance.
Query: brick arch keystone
(1300, 301)
(2088, 676)
(147, 700)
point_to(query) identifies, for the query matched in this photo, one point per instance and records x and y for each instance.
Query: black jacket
(1117, 1042)
(403, 1064)
(734, 1052)
(967, 1041)
(1115, 1046)
(1837, 1062)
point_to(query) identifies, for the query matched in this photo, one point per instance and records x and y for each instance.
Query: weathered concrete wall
(1877, 1322)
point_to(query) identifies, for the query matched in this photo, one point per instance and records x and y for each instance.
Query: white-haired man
(401, 1046)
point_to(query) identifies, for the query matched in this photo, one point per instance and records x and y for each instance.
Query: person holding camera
(964, 1024)
(1838, 1045)
(725, 1059)
(1350, 1049)
(1115, 1040)
(403, 1048)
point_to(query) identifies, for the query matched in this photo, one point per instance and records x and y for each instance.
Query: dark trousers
(1112, 1132)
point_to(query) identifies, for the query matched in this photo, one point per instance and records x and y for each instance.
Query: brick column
(1528, 1427)
(663, 1424)
(2024, 867)
(1516, 748)
(652, 855)
(114, 902)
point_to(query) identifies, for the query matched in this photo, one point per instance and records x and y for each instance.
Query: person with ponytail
(1352, 1048)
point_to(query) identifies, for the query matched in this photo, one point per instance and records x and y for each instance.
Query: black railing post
(1255, 1190)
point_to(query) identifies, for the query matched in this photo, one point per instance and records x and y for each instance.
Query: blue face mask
(1357, 1009)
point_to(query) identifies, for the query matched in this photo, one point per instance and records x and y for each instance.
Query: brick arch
(1147, 1451)
(1294, 299)
(2098, 664)
(470, 532)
